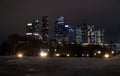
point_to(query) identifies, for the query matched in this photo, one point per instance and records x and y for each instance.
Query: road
(51, 66)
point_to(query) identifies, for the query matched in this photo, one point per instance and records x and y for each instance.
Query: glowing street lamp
(68, 55)
(57, 54)
(43, 54)
(112, 52)
(106, 55)
(20, 55)
(99, 52)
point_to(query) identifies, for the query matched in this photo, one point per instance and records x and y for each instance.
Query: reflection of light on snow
(31, 66)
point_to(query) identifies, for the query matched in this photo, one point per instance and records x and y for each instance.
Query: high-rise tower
(60, 31)
(33, 29)
(100, 36)
(78, 34)
(91, 33)
(45, 28)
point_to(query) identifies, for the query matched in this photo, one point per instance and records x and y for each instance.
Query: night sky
(15, 14)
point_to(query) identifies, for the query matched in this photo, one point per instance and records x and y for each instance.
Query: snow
(55, 66)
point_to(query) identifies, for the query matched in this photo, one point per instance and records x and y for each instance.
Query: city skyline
(16, 14)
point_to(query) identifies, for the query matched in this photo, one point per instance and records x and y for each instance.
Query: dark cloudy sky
(15, 14)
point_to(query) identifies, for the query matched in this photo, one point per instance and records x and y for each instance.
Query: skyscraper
(91, 33)
(60, 31)
(33, 29)
(100, 36)
(45, 28)
(78, 34)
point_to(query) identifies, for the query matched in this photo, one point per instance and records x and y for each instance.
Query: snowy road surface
(36, 66)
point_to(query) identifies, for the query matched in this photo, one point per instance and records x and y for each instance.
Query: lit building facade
(81, 33)
(60, 31)
(91, 34)
(87, 34)
(71, 34)
(78, 34)
(45, 28)
(100, 36)
(84, 33)
(33, 29)
(64, 31)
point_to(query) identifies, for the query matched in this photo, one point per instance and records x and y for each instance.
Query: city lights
(82, 54)
(68, 55)
(87, 54)
(80, 40)
(106, 55)
(99, 52)
(57, 54)
(29, 24)
(112, 52)
(95, 54)
(20, 55)
(43, 54)
(28, 33)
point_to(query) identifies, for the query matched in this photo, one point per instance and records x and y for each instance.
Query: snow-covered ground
(50, 66)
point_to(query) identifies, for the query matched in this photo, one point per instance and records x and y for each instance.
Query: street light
(43, 54)
(106, 55)
(99, 52)
(112, 52)
(20, 55)
(68, 55)
(57, 54)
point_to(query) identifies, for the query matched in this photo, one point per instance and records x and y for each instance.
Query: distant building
(88, 35)
(70, 33)
(81, 33)
(63, 31)
(84, 33)
(33, 29)
(91, 34)
(45, 28)
(78, 34)
(100, 36)
(60, 31)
